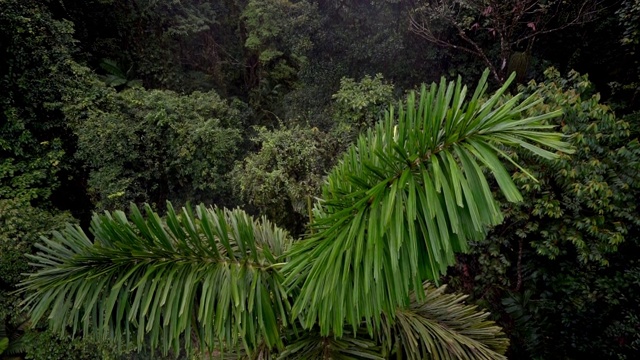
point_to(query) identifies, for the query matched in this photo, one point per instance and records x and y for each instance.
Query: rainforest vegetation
(319, 179)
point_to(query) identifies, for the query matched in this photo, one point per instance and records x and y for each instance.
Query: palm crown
(403, 200)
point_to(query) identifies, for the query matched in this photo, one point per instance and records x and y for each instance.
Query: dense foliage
(251, 103)
(155, 145)
(565, 258)
(283, 178)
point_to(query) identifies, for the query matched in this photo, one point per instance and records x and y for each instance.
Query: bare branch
(512, 22)
(480, 53)
(425, 32)
(583, 16)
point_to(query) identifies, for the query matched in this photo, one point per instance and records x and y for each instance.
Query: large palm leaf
(409, 195)
(214, 274)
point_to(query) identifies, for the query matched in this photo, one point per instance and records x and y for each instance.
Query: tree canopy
(394, 211)
(309, 120)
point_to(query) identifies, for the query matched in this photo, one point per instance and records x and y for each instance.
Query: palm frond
(312, 346)
(406, 197)
(112, 68)
(214, 275)
(441, 326)
(14, 343)
(4, 340)
(20, 344)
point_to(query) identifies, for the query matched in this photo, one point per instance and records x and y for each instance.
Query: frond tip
(406, 197)
(213, 276)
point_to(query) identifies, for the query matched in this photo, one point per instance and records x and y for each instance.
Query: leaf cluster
(590, 203)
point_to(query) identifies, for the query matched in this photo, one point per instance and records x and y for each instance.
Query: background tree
(560, 271)
(38, 71)
(277, 39)
(356, 39)
(152, 146)
(361, 104)
(500, 34)
(283, 179)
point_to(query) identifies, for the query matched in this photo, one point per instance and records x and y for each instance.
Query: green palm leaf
(312, 346)
(213, 275)
(19, 344)
(409, 195)
(441, 327)
(4, 340)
